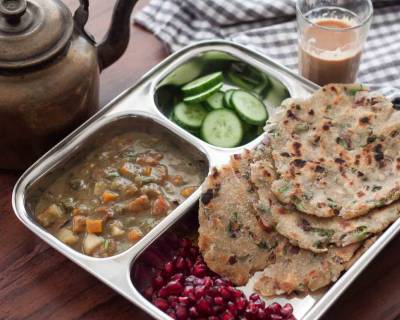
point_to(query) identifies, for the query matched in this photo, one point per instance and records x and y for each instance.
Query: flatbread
(302, 270)
(311, 232)
(336, 153)
(231, 239)
(360, 251)
(235, 243)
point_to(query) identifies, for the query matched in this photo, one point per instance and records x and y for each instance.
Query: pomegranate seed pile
(186, 289)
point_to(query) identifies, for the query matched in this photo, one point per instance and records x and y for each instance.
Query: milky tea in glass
(331, 37)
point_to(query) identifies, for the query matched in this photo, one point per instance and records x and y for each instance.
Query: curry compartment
(116, 186)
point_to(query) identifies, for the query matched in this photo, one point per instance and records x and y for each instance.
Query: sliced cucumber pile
(227, 115)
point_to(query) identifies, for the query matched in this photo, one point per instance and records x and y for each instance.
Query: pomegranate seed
(199, 269)
(232, 308)
(219, 301)
(194, 252)
(276, 308)
(171, 313)
(189, 263)
(199, 291)
(203, 306)
(161, 304)
(177, 277)
(213, 318)
(225, 293)
(261, 314)
(208, 282)
(184, 300)
(185, 243)
(193, 312)
(181, 312)
(227, 316)
(158, 281)
(169, 268)
(236, 293)
(287, 310)
(241, 303)
(172, 299)
(180, 263)
(254, 297)
(260, 304)
(218, 309)
(148, 292)
(213, 291)
(251, 309)
(174, 287)
(276, 317)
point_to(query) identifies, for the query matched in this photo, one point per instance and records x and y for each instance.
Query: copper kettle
(49, 73)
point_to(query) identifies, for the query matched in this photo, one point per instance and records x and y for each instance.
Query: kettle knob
(12, 10)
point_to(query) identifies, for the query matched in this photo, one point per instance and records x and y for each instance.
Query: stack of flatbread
(305, 204)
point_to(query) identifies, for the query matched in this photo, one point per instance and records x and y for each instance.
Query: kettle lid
(32, 31)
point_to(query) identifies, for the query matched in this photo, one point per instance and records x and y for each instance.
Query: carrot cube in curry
(78, 224)
(139, 204)
(109, 196)
(135, 234)
(94, 225)
(130, 170)
(81, 210)
(160, 206)
(147, 171)
(149, 158)
(187, 192)
(176, 180)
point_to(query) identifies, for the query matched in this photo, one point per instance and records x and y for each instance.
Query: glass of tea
(332, 34)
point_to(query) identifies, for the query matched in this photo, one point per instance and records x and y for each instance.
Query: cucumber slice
(184, 73)
(251, 109)
(279, 88)
(189, 116)
(263, 88)
(222, 128)
(227, 98)
(203, 95)
(203, 84)
(216, 101)
(238, 81)
(276, 94)
(217, 55)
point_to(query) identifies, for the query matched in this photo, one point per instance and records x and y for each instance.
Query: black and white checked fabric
(270, 27)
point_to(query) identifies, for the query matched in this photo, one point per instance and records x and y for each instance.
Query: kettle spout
(117, 38)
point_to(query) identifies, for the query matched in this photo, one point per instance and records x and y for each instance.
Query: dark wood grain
(36, 282)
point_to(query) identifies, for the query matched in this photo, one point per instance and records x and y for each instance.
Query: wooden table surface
(36, 282)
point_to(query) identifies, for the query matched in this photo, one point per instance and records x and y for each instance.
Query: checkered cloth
(270, 27)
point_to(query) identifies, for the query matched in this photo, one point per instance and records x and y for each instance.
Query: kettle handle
(115, 42)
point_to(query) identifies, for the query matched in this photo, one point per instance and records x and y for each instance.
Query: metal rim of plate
(115, 270)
